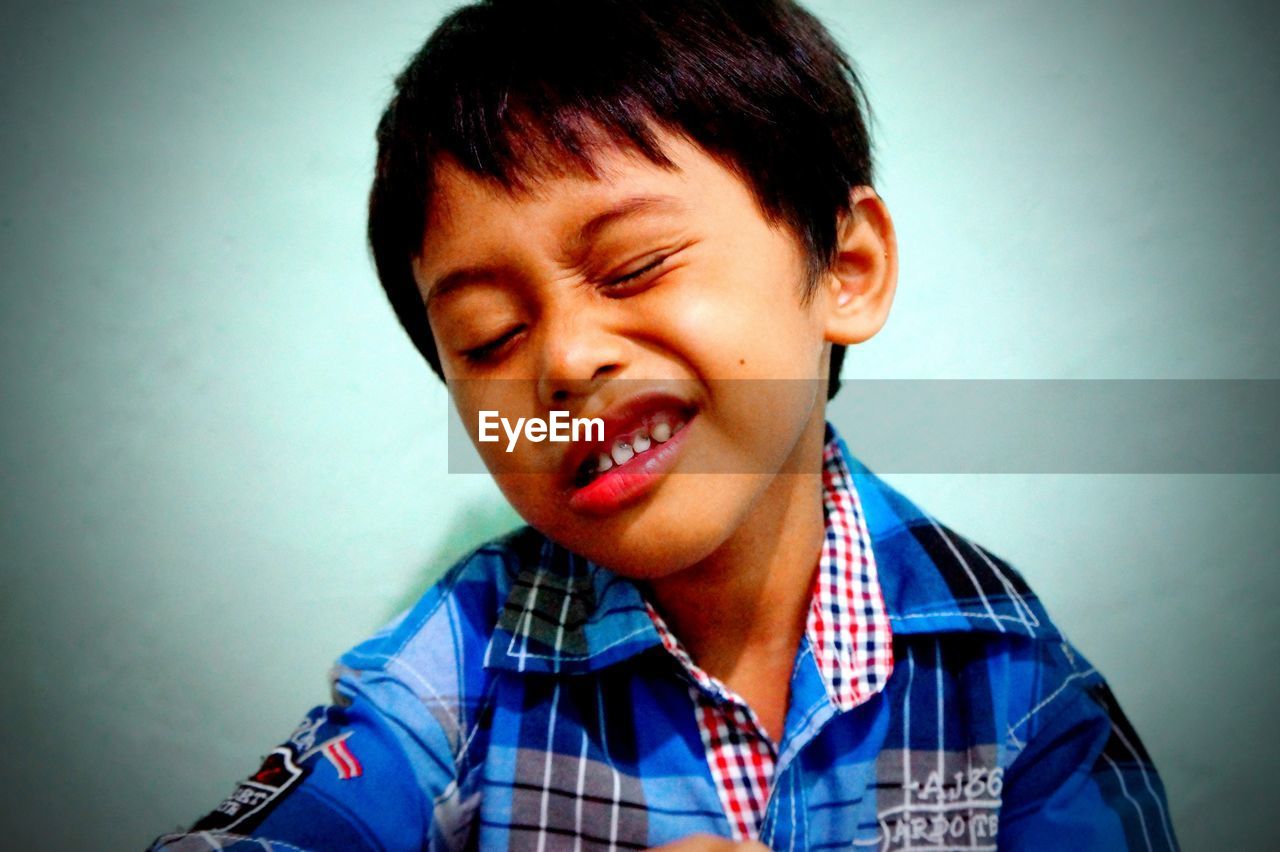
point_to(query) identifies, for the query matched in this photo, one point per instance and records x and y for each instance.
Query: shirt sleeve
(1084, 780)
(371, 771)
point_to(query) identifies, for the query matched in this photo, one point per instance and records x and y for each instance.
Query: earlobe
(863, 279)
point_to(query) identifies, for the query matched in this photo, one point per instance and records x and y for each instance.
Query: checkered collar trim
(848, 626)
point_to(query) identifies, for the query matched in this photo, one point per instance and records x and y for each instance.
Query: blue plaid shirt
(526, 702)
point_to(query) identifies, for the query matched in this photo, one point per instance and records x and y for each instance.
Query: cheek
(698, 322)
(740, 315)
(711, 319)
(754, 337)
(531, 495)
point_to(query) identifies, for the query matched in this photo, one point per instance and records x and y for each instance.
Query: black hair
(515, 88)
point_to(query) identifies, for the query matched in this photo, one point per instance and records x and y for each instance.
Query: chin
(651, 561)
(651, 546)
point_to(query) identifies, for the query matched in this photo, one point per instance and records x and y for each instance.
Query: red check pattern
(848, 630)
(739, 752)
(848, 624)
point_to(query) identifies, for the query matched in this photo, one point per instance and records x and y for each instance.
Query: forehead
(471, 216)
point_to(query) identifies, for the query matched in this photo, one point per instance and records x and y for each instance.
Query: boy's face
(661, 300)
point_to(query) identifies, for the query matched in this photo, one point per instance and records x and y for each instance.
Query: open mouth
(630, 449)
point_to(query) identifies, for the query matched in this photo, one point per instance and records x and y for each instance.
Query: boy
(656, 216)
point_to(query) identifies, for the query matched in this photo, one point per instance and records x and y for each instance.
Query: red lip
(628, 482)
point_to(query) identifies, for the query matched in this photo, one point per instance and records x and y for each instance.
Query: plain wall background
(222, 459)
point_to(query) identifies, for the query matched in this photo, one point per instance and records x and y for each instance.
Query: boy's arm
(371, 771)
(1084, 779)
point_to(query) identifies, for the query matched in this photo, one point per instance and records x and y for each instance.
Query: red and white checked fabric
(848, 625)
(848, 630)
(739, 752)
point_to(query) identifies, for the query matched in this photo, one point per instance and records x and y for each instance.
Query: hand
(711, 843)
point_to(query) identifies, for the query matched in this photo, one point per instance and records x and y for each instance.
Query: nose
(578, 353)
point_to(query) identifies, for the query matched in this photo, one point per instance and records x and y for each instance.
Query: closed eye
(631, 276)
(486, 352)
(636, 280)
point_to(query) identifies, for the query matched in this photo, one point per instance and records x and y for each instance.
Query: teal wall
(222, 461)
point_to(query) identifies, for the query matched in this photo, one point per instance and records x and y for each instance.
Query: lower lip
(626, 483)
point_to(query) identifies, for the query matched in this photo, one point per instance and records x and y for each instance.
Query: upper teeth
(622, 452)
(626, 448)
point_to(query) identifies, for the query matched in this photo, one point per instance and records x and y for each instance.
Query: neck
(749, 600)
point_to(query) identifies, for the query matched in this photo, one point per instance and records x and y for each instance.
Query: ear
(860, 285)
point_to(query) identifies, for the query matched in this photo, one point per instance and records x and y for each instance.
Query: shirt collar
(848, 628)
(565, 614)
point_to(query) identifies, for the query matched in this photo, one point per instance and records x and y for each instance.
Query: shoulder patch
(283, 770)
(344, 761)
(256, 796)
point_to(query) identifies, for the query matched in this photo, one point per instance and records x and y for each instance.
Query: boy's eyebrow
(630, 206)
(460, 278)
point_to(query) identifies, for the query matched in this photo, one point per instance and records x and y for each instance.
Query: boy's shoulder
(935, 580)
(520, 602)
